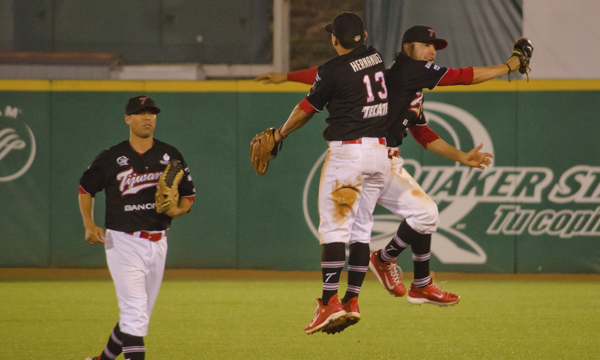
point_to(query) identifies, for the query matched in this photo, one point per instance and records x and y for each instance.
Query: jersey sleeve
(186, 186)
(94, 179)
(306, 76)
(322, 90)
(462, 76)
(423, 133)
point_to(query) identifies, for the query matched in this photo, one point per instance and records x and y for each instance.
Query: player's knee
(427, 221)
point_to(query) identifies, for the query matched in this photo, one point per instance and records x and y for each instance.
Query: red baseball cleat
(431, 294)
(352, 317)
(387, 273)
(326, 315)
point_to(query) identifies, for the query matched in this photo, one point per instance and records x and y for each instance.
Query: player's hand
(180, 209)
(272, 78)
(94, 235)
(173, 211)
(477, 159)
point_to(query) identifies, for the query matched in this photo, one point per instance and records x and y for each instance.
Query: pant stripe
(353, 289)
(109, 354)
(421, 257)
(116, 339)
(357, 268)
(333, 264)
(400, 243)
(133, 349)
(331, 287)
(422, 282)
(385, 257)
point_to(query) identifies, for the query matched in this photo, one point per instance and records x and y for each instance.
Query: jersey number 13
(379, 77)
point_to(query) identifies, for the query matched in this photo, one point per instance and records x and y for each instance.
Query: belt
(152, 236)
(359, 141)
(393, 152)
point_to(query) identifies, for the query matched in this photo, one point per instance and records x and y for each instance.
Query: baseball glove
(523, 49)
(263, 148)
(167, 193)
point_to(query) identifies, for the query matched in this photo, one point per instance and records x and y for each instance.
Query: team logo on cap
(431, 32)
(143, 99)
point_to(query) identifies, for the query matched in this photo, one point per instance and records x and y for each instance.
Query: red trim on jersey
(306, 76)
(423, 134)
(190, 198)
(82, 191)
(307, 107)
(462, 76)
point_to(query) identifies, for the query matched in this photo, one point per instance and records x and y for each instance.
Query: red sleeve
(80, 190)
(307, 107)
(462, 76)
(306, 76)
(190, 198)
(423, 134)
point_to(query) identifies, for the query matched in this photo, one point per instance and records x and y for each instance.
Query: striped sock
(133, 347)
(114, 347)
(421, 266)
(421, 255)
(393, 249)
(358, 264)
(333, 259)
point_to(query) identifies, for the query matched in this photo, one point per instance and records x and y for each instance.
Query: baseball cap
(349, 28)
(423, 34)
(140, 102)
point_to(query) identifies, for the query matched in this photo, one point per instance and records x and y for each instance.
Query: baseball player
(136, 234)
(352, 87)
(413, 70)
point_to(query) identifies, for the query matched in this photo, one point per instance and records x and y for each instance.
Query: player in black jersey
(413, 70)
(136, 235)
(352, 88)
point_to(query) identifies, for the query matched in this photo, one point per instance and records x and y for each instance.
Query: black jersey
(406, 79)
(352, 86)
(129, 180)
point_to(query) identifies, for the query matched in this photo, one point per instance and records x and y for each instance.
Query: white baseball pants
(404, 197)
(137, 266)
(351, 179)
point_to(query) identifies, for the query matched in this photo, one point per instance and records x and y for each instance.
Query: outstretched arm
(482, 74)
(473, 158)
(272, 78)
(306, 76)
(432, 142)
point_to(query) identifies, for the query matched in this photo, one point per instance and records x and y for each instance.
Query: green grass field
(263, 319)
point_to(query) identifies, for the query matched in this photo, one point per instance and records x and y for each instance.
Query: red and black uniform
(406, 79)
(352, 88)
(129, 180)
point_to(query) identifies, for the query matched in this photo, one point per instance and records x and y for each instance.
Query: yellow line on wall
(252, 86)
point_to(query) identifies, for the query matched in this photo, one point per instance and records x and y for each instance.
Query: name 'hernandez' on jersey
(129, 180)
(353, 88)
(406, 79)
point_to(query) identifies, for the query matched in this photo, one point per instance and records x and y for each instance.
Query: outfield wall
(537, 209)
